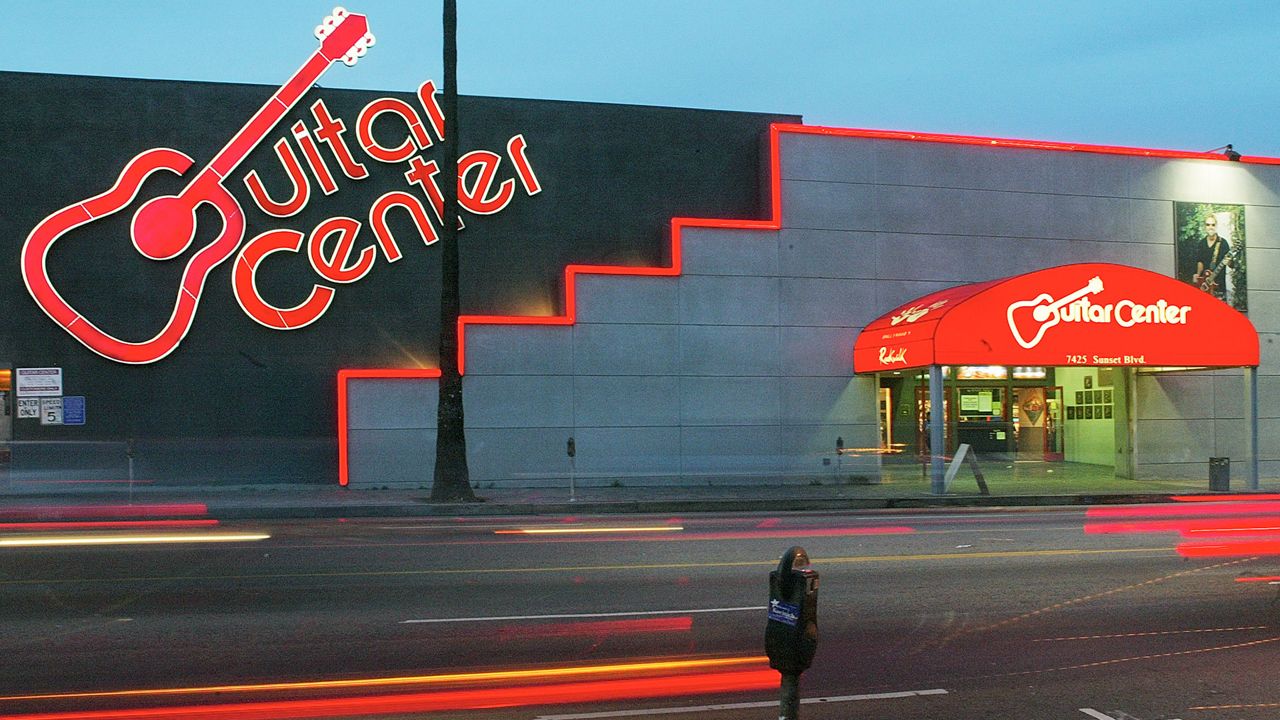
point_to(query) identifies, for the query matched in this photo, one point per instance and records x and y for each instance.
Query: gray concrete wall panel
(1205, 181)
(386, 457)
(1264, 267)
(807, 446)
(829, 159)
(600, 349)
(1151, 221)
(1174, 440)
(827, 253)
(1269, 351)
(952, 211)
(716, 251)
(826, 302)
(816, 351)
(933, 257)
(1264, 308)
(1229, 394)
(829, 400)
(603, 401)
(729, 401)
(374, 403)
(729, 350)
(532, 456)
(519, 350)
(1262, 226)
(1229, 442)
(831, 206)
(1269, 439)
(628, 299)
(731, 450)
(1170, 396)
(515, 401)
(719, 300)
(640, 452)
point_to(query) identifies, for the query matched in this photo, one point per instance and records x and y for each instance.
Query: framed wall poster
(1088, 381)
(1088, 412)
(1106, 396)
(1106, 412)
(1071, 412)
(1079, 397)
(1209, 250)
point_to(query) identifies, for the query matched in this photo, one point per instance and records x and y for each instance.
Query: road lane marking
(1011, 554)
(1095, 714)
(740, 706)
(1161, 632)
(581, 615)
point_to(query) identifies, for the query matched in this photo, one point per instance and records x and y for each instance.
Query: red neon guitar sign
(164, 227)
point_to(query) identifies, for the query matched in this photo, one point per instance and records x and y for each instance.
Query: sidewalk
(52, 502)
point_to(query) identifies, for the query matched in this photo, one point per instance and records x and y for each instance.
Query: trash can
(1220, 474)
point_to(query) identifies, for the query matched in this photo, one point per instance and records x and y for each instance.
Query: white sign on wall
(51, 411)
(28, 409)
(38, 382)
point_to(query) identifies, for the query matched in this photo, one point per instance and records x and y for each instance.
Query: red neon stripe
(1257, 525)
(57, 512)
(343, 377)
(107, 524)
(450, 700)
(1186, 510)
(1017, 143)
(1265, 579)
(1240, 549)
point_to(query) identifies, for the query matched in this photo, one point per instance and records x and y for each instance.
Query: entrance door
(1038, 422)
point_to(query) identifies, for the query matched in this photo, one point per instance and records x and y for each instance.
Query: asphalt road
(991, 614)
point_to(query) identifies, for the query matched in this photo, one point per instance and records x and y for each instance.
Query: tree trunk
(452, 477)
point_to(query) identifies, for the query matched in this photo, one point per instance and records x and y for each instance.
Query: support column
(1251, 427)
(937, 435)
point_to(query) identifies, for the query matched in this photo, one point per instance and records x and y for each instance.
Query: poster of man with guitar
(1210, 250)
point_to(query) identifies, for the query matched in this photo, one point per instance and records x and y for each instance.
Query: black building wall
(238, 402)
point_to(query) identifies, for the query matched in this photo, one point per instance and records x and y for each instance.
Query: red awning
(1091, 314)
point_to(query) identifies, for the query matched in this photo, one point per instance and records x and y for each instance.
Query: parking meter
(791, 633)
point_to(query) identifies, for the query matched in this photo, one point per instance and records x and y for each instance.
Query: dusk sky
(1178, 75)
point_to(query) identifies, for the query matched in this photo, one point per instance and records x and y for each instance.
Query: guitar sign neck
(344, 36)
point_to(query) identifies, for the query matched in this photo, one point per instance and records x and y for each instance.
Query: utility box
(1220, 474)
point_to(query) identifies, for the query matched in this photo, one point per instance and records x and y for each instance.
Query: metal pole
(937, 418)
(1251, 427)
(789, 700)
(128, 450)
(572, 472)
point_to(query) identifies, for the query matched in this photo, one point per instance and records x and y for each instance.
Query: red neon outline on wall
(343, 376)
(772, 223)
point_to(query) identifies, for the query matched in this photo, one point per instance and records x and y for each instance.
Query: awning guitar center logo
(1029, 320)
